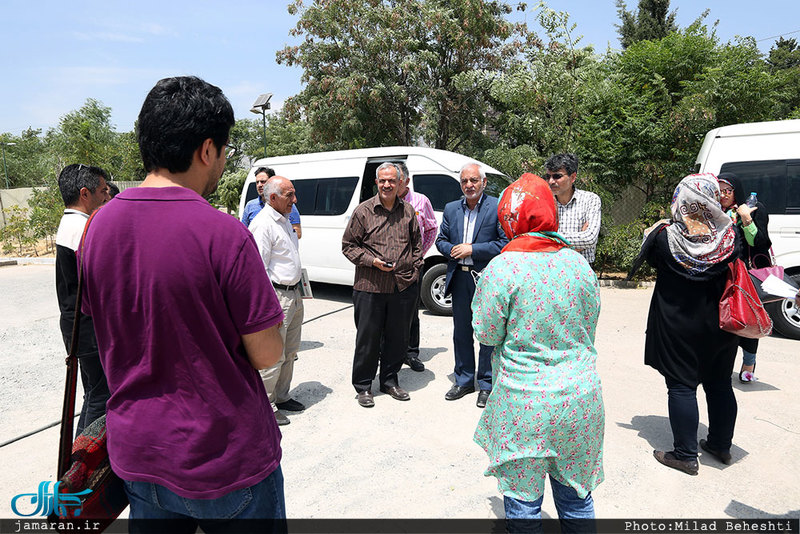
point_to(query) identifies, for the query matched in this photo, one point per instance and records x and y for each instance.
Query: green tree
(652, 20)
(383, 72)
(229, 190)
(46, 208)
(784, 63)
(84, 136)
(645, 119)
(17, 230)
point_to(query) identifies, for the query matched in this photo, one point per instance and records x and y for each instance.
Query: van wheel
(432, 291)
(785, 315)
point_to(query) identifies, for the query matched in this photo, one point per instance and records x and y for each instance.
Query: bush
(617, 247)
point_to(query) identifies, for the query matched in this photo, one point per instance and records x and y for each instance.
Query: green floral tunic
(545, 413)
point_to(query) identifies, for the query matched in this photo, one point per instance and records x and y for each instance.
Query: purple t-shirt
(172, 284)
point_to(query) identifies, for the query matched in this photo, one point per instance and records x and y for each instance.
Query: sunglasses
(554, 176)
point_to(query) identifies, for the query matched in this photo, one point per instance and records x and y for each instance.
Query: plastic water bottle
(752, 200)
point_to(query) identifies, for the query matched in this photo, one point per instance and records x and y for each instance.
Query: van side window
(324, 196)
(793, 188)
(439, 188)
(252, 193)
(766, 178)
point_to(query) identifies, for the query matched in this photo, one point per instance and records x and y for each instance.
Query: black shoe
(724, 457)
(483, 396)
(396, 392)
(281, 419)
(415, 364)
(668, 458)
(291, 405)
(456, 392)
(365, 399)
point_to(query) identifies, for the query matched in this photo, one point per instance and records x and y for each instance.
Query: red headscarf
(527, 206)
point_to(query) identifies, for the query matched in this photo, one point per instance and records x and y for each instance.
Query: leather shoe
(291, 405)
(483, 396)
(281, 419)
(668, 458)
(724, 457)
(456, 392)
(365, 399)
(415, 364)
(396, 393)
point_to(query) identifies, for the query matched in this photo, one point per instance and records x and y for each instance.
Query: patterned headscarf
(527, 214)
(700, 235)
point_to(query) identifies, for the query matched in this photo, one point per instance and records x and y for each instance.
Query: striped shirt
(582, 208)
(375, 232)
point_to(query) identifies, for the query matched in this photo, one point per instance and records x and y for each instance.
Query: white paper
(305, 286)
(775, 286)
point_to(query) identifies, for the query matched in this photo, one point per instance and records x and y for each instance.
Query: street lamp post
(5, 169)
(260, 107)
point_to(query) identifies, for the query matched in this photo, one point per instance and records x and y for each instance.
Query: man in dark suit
(469, 237)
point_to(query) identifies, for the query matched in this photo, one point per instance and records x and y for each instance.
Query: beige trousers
(278, 378)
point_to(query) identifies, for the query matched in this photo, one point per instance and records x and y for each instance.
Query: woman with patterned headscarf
(537, 303)
(684, 341)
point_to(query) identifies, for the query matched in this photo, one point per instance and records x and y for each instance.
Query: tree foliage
(651, 21)
(384, 72)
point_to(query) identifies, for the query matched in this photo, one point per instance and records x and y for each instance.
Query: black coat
(683, 339)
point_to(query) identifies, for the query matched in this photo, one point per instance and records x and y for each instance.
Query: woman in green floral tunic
(537, 303)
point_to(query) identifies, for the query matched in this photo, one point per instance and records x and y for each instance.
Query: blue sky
(56, 54)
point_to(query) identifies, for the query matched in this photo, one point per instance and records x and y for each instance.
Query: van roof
(449, 160)
(757, 128)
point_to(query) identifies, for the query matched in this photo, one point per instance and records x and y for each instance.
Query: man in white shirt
(277, 243)
(578, 211)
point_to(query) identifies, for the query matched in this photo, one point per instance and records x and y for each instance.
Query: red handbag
(740, 310)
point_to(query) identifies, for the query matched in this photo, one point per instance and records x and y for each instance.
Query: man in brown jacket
(383, 240)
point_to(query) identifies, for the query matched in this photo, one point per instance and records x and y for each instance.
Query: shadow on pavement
(740, 510)
(310, 393)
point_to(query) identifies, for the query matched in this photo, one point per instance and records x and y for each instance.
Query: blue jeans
(576, 514)
(259, 508)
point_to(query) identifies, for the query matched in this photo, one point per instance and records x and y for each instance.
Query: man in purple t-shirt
(189, 425)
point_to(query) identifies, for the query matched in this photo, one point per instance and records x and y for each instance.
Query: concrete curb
(622, 284)
(27, 261)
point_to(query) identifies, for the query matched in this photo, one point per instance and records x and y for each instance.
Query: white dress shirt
(278, 246)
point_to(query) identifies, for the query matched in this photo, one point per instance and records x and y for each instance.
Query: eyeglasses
(554, 176)
(230, 151)
(725, 191)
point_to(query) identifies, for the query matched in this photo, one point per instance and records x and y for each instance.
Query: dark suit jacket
(487, 241)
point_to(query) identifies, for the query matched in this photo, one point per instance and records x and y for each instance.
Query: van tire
(786, 315)
(432, 291)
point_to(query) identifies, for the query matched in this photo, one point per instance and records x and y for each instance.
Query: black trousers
(377, 315)
(95, 390)
(684, 415)
(413, 335)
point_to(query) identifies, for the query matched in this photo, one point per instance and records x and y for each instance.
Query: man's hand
(461, 250)
(264, 348)
(585, 226)
(380, 264)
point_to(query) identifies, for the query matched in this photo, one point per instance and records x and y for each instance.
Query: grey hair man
(427, 227)
(382, 239)
(83, 189)
(277, 244)
(469, 237)
(579, 211)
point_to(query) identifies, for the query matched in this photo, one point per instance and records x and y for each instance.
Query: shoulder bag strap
(68, 412)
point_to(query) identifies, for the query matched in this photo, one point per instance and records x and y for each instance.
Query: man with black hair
(83, 189)
(578, 210)
(189, 426)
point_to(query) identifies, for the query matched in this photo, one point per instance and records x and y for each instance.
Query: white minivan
(765, 157)
(329, 186)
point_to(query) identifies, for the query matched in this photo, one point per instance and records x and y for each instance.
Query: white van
(329, 186)
(765, 156)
